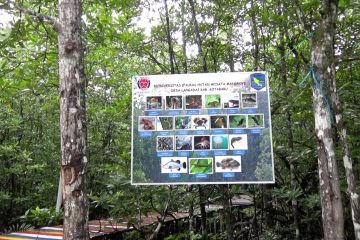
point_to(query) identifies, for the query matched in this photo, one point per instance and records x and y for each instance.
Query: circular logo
(143, 83)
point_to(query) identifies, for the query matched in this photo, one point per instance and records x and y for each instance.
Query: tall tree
(72, 114)
(72, 120)
(198, 40)
(183, 35)
(202, 199)
(254, 36)
(323, 71)
(290, 138)
(168, 38)
(347, 157)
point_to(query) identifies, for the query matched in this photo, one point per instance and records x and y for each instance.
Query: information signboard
(207, 128)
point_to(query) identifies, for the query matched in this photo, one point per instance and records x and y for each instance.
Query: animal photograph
(174, 102)
(164, 123)
(201, 165)
(219, 142)
(213, 101)
(255, 120)
(238, 142)
(154, 103)
(227, 164)
(201, 142)
(165, 143)
(183, 143)
(231, 100)
(201, 122)
(218, 121)
(182, 122)
(193, 102)
(248, 100)
(174, 165)
(147, 123)
(237, 121)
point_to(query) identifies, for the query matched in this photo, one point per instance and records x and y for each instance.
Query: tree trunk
(293, 183)
(191, 217)
(72, 120)
(184, 37)
(347, 159)
(168, 38)
(231, 62)
(197, 36)
(204, 66)
(228, 217)
(322, 58)
(161, 220)
(290, 138)
(203, 213)
(254, 37)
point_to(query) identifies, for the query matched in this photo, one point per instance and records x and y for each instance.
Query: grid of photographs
(205, 142)
(244, 100)
(201, 165)
(201, 122)
(202, 142)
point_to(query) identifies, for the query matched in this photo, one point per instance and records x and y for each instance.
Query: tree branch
(162, 219)
(300, 17)
(54, 21)
(297, 54)
(153, 58)
(339, 59)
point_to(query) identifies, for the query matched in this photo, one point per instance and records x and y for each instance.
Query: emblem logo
(143, 83)
(257, 81)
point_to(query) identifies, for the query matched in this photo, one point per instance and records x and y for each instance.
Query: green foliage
(133, 235)
(181, 236)
(263, 168)
(18, 227)
(218, 236)
(195, 236)
(269, 235)
(42, 217)
(286, 194)
(117, 48)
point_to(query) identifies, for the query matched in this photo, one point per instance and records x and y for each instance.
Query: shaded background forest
(133, 37)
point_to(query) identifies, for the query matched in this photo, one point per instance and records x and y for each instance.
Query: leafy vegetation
(126, 38)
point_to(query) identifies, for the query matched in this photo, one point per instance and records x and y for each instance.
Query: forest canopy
(310, 50)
